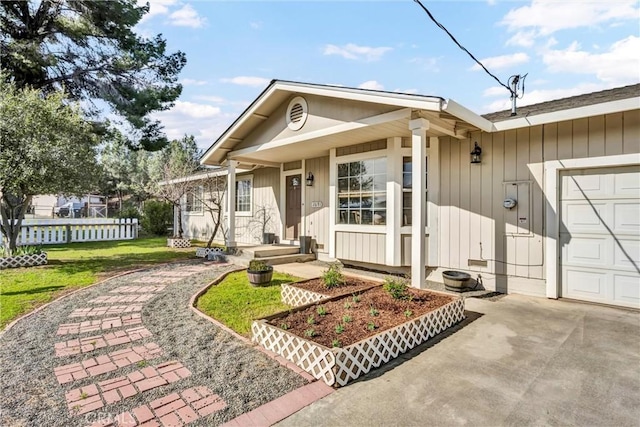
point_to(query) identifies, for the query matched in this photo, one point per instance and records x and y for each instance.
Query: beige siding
(474, 224)
(362, 247)
(323, 113)
(317, 218)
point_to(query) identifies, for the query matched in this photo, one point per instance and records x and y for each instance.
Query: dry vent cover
(297, 113)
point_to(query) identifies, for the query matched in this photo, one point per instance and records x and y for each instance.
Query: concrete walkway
(514, 361)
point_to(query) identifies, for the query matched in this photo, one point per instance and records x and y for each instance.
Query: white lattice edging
(178, 243)
(294, 296)
(23, 260)
(338, 366)
(203, 252)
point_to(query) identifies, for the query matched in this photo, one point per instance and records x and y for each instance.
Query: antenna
(516, 84)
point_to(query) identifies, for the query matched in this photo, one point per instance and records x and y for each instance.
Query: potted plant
(259, 272)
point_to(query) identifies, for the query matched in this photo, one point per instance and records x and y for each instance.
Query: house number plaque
(316, 204)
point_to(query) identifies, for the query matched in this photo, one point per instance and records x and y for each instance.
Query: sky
(235, 48)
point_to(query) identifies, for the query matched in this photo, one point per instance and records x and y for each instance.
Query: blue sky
(234, 48)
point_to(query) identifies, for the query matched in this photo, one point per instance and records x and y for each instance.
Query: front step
(285, 259)
(269, 251)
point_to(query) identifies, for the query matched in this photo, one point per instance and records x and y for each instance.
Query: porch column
(433, 201)
(394, 201)
(231, 204)
(418, 129)
(333, 200)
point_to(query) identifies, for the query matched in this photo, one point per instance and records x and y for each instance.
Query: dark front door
(294, 203)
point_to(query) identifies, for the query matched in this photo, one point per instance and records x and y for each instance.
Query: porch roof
(446, 118)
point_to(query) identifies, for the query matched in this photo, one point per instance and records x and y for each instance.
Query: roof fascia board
(457, 110)
(570, 114)
(200, 177)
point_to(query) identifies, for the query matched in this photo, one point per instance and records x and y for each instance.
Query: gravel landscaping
(243, 377)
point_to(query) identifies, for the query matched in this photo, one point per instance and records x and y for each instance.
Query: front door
(294, 206)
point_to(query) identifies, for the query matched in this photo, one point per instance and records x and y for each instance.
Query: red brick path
(114, 299)
(138, 289)
(105, 311)
(88, 344)
(99, 325)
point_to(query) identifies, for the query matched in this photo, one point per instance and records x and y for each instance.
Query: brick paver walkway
(100, 324)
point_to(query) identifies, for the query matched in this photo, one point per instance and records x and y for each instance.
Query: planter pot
(23, 261)
(305, 244)
(456, 280)
(338, 366)
(260, 277)
(173, 242)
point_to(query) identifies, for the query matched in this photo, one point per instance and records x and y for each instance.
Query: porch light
(310, 180)
(476, 153)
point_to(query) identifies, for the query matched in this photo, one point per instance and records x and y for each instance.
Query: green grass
(236, 303)
(76, 265)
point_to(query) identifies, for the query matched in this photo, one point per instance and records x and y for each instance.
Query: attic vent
(296, 113)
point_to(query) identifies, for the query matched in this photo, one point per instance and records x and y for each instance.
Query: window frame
(196, 201)
(407, 153)
(249, 212)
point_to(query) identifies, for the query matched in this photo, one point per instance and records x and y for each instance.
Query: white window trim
(250, 211)
(199, 212)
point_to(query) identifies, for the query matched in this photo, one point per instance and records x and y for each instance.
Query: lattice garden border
(294, 296)
(30, 260)
(178, 243)
(338, 366)
(203, 252)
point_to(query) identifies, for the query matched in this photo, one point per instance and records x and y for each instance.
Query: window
(243, 194)
(194, 200)
(362, 192)
(407, 169)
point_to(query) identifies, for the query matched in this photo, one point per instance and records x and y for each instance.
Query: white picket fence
(56, 231)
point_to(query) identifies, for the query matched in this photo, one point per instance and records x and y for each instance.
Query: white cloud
(256, 25)
(619, 65)
(193, 82)
(428, 63)
(353, 51)
(210, 98)
(502, 61)
(186, 16)
(545, 17)
(371, 84)
(156, 7)
(522, 39)
(247, 81)
(495, 91)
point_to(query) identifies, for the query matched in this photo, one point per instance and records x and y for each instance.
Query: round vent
(296, 113)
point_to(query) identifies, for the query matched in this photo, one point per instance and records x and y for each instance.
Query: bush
(129, 211)
(157, 217)
(257, 266)
(396, 287)
(333, 277)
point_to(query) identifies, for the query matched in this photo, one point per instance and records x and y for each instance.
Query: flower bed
(30, 260)
(359, 348)
(313, 290)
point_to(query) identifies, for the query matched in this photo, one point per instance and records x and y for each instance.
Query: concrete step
(269, 251)
(285, 259)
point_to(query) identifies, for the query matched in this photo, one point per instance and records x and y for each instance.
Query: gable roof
(588, 99)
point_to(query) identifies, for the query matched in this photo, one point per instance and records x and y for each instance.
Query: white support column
(231, 205)
(303, 199)
(333, 199)
(418, 129)
(394, 201)
(433, 201)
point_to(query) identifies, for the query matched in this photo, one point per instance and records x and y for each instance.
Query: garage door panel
(582, 217)
(575, 187)
(626, 254)
(626, 290)
(589, 285)
(626, 217)
(627, 183)
(586, 251)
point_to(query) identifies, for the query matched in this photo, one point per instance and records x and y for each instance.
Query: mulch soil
(351, 285)
(357, 314)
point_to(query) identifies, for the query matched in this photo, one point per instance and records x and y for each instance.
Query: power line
(442, 27)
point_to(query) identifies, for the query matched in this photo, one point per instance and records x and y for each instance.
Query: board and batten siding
(476, 229)
(317, 218)
(363, 247)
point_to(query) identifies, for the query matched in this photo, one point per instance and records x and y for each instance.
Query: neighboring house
(552, 208)
(48, 205)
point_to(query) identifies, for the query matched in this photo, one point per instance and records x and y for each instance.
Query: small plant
(371, 326)
(311, 319)
(408, 313)
(83, 395)
(322, 311)
(141, 363)
(347, 319)
(347, 305)
(373, 311)
(28, 250)
(257, 266)
(339, 328)
(284, 326)
(396, 287)
(336, 343)
(332, 277)
(310, 333)
(356, 298)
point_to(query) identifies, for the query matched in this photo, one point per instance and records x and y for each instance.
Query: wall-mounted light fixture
(310, 180)
(476, 153)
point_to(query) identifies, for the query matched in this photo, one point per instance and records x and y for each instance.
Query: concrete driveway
(514, 361)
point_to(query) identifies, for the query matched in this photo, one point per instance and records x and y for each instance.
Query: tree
(89, 49)
(213, 193)
(46, 146)
(169, 171)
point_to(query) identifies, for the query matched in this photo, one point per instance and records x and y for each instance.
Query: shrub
(28, 250)
(322, 311)
(129, 211)
(157, 217)
(332, 277)
(396, 287)
(256, 265)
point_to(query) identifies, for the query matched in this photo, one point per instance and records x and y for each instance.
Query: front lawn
(76, 265)
(236, 303)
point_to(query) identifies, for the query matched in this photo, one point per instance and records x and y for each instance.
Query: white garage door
(600, 235)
